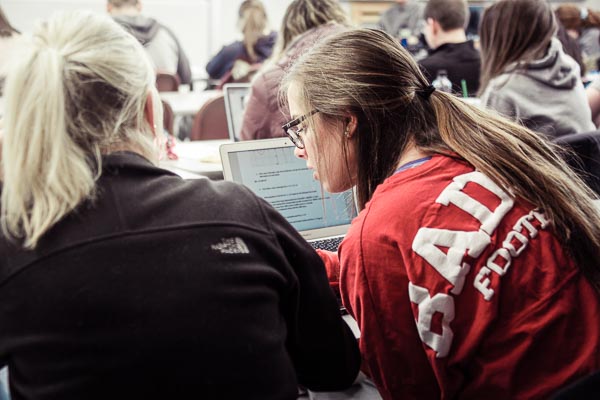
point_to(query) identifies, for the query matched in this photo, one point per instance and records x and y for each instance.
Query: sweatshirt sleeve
(496, 100)
(184, 70)
(323, 348)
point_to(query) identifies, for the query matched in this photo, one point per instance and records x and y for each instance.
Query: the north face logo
(231, 246)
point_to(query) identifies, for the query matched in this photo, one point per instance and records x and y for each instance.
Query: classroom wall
(202, 26)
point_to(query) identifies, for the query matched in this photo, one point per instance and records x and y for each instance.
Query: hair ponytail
(530, 167)
(41, 161)
(77, 91)
(367, 74)
(253, 18)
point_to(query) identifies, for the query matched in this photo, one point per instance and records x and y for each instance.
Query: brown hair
(6, 29)
(366, 73)
(575, 17)
(513, 31)
(253, 19)
(303, 15)
(450, 14)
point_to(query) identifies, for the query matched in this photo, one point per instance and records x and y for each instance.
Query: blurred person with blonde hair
(120, 280)
(304, 24)
(475, 253)
(255, 47)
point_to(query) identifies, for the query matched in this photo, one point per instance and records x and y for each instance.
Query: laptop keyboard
(330, 244)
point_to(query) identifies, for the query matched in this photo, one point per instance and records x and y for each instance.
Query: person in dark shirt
(451, 51)
(120, 280)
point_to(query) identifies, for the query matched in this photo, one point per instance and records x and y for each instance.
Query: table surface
(197, 159)
(188, 103)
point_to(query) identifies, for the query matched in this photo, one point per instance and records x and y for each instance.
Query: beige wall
(202, 26)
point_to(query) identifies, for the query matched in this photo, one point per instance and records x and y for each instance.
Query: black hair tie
(425, 93)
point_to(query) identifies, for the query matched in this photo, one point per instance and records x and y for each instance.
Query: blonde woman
(256, 46)
(304, 24)
(119, 279)
(475, 255)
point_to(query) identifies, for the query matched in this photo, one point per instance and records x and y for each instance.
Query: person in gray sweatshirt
(160, 42)
(525, 74)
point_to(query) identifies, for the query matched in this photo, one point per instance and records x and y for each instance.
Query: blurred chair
(585, 159)
(210, 122)
(166, 82)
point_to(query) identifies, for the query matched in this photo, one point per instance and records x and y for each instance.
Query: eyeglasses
(293, 129)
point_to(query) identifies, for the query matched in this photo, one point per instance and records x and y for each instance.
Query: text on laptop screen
(283, 180)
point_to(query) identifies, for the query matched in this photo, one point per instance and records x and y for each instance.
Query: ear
(351, 125)
(109, 8)
(435, 26)
(149, 113)
(138, 5)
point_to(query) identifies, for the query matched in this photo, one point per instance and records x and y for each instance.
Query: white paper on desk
(200, 151)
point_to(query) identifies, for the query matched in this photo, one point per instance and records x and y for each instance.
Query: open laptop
(235, 102)
(270, 169)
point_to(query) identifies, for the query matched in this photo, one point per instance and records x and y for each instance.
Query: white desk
(198, 159)
(188, 103)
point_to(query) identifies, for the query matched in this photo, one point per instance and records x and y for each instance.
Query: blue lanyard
(412, 164)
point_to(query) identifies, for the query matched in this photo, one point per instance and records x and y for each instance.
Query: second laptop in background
(235, 102)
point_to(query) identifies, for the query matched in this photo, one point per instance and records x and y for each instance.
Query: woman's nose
(300, 153)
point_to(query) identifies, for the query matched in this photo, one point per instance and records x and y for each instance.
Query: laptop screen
(235, 103)
(277, 176)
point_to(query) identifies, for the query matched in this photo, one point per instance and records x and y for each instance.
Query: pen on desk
(463, 85)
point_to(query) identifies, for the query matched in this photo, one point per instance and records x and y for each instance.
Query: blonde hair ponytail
(77, 91)
(253, 20)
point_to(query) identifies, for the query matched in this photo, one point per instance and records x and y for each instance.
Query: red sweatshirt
(461, 292)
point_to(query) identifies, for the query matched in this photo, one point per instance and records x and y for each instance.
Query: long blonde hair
(253, 22)
(304, 15)
(368, 74)
(78, 90)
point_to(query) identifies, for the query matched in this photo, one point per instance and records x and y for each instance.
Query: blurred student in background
(403, 19)
(475, 254)
(160, 42)
(256, 46)
(305, 23)
(120, 280)
(445, 22)
(582, 24)
(8, 46)
(525, 73)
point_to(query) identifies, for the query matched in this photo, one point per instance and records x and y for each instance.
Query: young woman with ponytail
(256, 46)
(475, 255)
(118, 279)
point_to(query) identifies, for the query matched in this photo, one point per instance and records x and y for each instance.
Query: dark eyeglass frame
(295, 135)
